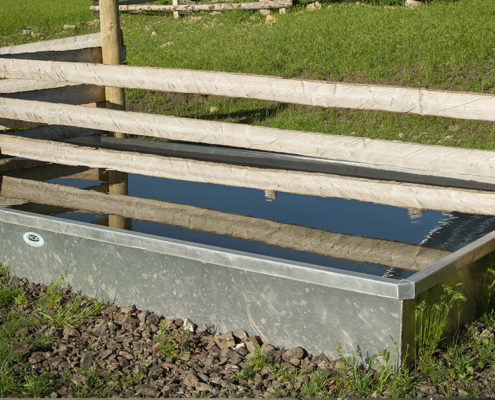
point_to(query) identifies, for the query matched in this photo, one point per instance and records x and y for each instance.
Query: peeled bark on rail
(69, 43)
(22, 85)
(396, 194)
(383, 252)
(204, 7)
(467, 164)
(465, 105)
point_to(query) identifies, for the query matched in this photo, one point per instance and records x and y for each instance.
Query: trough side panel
(281, 311)
(472, 281)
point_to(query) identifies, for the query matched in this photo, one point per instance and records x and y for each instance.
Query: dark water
(438, 230)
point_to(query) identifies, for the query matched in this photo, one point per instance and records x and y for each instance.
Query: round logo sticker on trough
(33, 239)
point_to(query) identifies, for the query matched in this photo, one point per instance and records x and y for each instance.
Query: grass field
(42, 19)
(443, 45)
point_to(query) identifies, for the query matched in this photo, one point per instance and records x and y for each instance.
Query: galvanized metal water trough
(286, 303)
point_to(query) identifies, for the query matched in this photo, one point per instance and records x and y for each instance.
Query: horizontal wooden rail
(384, 252)
(54, 92)
(69, 43)
(258, 5)
(126, 2)
(468, 164)
(22, 85)
(314, 184)
(314, 93)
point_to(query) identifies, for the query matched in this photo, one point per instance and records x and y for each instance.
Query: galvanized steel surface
(231, 290)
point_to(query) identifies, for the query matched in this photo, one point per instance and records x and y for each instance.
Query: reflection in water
(457, 230)
(330, 232)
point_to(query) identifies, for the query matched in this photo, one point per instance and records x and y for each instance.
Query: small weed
(8, 292)
(484, 349)
(8, 295)
(167, 346)
(37, 385)
(431, 320)
(128, 381)
(55, 309)
(362, 378)
(317, 386)
(490, 291)
(283, 375)
(254, 365)
(21, 298)
(91, 383)
(4, 271)
(170, 344)
(461, 366)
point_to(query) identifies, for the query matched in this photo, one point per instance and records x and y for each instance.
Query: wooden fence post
(113, 53)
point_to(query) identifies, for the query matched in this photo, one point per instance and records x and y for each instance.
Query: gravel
(126, 352)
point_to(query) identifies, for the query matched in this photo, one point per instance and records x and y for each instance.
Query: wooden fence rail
(462, 105)
(258, 5)
(85, 48)
(70, 43)
(467, 164)
(396, 194)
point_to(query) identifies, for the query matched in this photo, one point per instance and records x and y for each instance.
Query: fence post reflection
(118, 184)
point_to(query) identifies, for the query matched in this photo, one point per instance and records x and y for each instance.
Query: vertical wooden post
(175, 3)
(113, 53)
(112, 49)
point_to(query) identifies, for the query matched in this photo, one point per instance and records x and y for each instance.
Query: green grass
(49, 310)
(444, 45)
(431, 320)
(43, 19)
(56, 310)
(172, 344)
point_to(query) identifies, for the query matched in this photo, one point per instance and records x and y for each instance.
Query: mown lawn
(23, 21)
(444, 45)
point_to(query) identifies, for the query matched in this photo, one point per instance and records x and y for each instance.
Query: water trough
(296, 270)
(301, 238)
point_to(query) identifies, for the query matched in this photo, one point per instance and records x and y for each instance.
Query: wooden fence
(136, 6)
(53, 83)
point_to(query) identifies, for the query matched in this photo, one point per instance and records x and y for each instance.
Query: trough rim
(404, 289)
